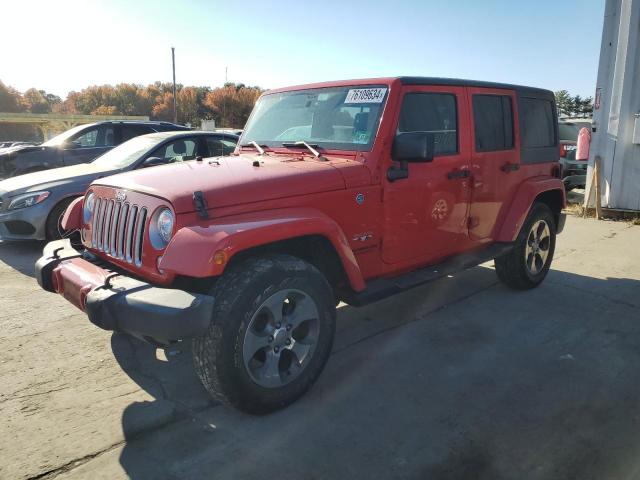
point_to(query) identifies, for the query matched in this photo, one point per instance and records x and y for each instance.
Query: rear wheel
(527, 264)
(270, 336)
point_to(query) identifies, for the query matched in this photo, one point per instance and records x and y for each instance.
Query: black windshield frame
(375, 109)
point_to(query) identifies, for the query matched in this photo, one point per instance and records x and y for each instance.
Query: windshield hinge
(200, 203)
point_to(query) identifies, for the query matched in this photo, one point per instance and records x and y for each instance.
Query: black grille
(118, 229)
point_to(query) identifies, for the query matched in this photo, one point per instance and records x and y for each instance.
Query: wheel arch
(71, 219)
(547, 190)
(196, 251)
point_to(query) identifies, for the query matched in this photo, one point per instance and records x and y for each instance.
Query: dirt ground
(459, 379)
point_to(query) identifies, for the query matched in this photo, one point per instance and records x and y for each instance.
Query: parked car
(80, 144)
(16, 144)
(32, 205)
(342, 191)
(574, 172)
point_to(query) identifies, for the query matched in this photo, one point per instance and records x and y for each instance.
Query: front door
(426, 213)
(89, 144)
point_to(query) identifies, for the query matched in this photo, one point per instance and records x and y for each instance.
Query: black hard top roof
(521, 89)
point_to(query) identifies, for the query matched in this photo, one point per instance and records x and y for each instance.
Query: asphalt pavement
(459, 379)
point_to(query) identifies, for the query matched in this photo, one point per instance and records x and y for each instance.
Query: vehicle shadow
(461, 378)
(21, 256)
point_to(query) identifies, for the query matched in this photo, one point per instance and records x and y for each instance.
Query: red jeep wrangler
(344, 191)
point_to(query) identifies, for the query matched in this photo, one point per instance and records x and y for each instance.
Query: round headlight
(87, 207)
(165, 224)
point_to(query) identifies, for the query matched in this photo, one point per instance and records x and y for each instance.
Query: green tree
(563, 102)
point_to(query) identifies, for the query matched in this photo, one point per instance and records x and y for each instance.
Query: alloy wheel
(537, 248)
(281, 338)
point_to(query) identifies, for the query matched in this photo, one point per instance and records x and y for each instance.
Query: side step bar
(384, 287)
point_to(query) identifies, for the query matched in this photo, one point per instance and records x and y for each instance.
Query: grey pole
(173, 61)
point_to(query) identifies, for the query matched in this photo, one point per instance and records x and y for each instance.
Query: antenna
(173, 61)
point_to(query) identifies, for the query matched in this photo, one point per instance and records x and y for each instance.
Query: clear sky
(67, 45)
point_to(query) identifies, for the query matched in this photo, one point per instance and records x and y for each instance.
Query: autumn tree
(231, 105)
(10, 100)
(39, 101)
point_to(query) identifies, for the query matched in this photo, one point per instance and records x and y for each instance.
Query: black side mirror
(71, 144)
(410, 147)
(413, 147)
(153, 161)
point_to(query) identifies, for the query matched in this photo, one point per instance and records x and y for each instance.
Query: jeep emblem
(121, 195)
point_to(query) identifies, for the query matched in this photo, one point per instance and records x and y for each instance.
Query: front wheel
(53, 226)
(270, 336)
(527, 264)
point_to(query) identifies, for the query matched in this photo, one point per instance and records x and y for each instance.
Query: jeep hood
(227, 181)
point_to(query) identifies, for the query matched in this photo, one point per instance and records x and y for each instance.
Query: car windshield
(128, 152)
(60, 139)
(568, 131)
(341, 118)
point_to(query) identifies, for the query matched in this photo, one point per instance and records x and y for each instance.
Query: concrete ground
(459, 379)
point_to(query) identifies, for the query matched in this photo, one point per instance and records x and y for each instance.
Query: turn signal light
(220, 257)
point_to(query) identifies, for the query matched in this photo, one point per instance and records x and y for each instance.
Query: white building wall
(618, 85)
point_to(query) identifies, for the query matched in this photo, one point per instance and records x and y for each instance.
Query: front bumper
(25, 223)
(117, 302)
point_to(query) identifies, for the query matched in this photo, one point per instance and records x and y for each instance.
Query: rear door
(426, 213)
(495, 159)
(129, 131)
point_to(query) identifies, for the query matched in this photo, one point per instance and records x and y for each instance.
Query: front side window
(537, 123)
(493, 122)
(434, 113)
(341, 118)
(102, 136)
(178, 150)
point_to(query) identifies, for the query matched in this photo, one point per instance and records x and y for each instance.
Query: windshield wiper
(311, 148)
(254, 144)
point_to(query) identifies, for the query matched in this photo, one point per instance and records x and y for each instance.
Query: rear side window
(434, 113)
(568, 131)
(131, 131)
(493, 122)
(537, 123)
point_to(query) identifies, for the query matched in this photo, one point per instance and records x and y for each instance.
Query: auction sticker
(365, 95)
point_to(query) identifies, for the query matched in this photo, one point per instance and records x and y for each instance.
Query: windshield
(60, 139)
(568, 131)
(341, 118)
(128, 152)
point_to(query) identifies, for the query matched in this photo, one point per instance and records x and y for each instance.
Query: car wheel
(527, 264)
(270, 336)
(53, 228)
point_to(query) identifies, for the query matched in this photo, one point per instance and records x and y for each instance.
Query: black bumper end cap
(158, 315)
(53, 253)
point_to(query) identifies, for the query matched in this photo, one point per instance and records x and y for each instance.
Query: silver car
(32, 205)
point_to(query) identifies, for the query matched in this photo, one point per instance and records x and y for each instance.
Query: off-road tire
(239, 293)
(51, 227)
(511, 268)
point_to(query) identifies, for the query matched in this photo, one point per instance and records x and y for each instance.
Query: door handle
(510, 167)
(463, 173)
